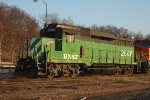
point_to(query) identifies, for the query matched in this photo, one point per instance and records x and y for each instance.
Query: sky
(133, 15)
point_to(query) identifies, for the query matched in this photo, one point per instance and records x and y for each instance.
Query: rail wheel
(66, 70)
(74, 70)
(51, 71)
(128, 70)
(118, 71)
(55, 71)
(145, 67)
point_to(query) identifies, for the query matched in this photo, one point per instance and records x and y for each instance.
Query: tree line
(15, 27)
(119, 32)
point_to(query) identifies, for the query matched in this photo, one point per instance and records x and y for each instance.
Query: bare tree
(119, 32)
(138, 36)
(68, 21)
(15, 26)
(52, 18)
(147, 36)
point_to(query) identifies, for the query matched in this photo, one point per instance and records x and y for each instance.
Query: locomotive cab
(53, 32)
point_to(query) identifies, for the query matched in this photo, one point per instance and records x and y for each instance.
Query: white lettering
(126, 53)
(75, 56)
(65, 56)
(72, 57)
(68, 56)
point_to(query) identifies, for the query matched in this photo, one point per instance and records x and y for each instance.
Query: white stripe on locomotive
(34, 50)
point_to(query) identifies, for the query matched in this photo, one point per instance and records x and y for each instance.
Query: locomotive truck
(65, 50)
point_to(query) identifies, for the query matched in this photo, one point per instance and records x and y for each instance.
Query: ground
(78, 88)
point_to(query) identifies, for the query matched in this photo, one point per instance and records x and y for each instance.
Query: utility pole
(46, 16)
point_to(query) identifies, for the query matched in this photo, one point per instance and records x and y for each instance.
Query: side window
(70, 38)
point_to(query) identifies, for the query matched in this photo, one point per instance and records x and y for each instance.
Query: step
(40, 73)
(40, 68)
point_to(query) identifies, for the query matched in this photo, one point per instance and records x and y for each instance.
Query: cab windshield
(51, 33)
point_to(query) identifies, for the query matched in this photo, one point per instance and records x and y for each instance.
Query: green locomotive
(63, 50)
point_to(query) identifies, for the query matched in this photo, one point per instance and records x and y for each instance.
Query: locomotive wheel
(55, 71)
(128, 70)
(144, 68)
(66, 70)
(51, 72)
(132, 69)
(118, 71)
(74, 71)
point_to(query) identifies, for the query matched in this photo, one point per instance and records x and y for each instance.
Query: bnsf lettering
(68, 56)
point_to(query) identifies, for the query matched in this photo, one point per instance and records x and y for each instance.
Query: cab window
(70, 38)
